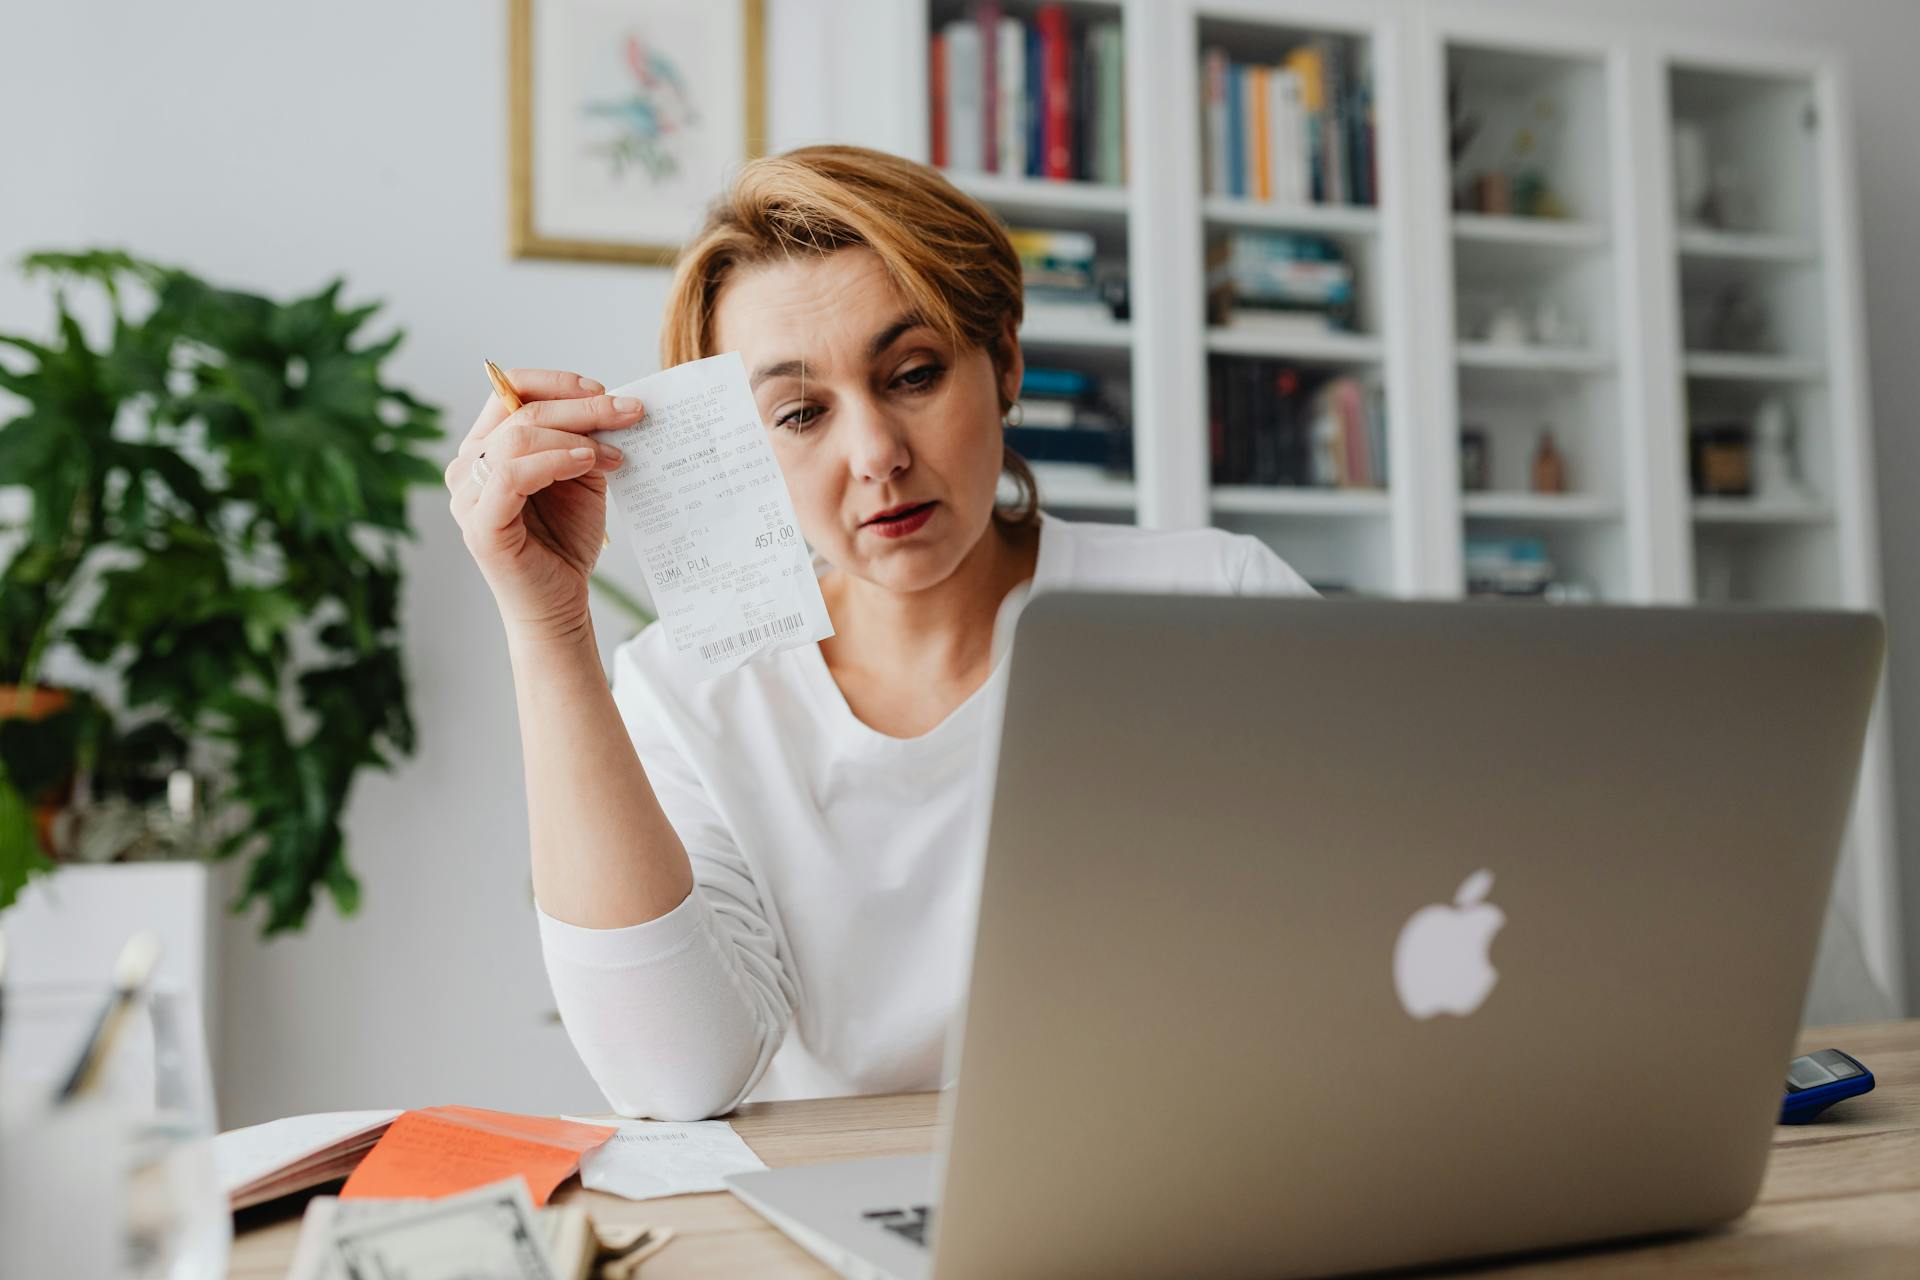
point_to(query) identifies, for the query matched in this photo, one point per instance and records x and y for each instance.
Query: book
(1274, 423)
(1279, 270)
(1292, 184)
(1259, 149)
(1063, 444)
(937, 92)
(1046, 413)
(1272, 131)
(1110, 109)
(986, 17)
(1299, 131)
(1011, 105)
(1066, 309)
(1080, 74)
(1236, 106)
(1517, 566)
(1332, 119)
(1377, 434)
(966, 142)
(1213, 83)
(1304, 62)
(263, 1162)
(1056, 89)
(1049, 242)
(1038, 380)
(1358, 119)
(1356, 464)
(1216, 419)
(1034, 111)
(1279, 282)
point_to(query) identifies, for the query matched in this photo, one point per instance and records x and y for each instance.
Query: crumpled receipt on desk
(646, 1159)
(702, 495)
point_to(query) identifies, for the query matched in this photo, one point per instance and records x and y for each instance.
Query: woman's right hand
(535, 525)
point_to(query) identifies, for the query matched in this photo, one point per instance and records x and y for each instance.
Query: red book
(987, 15)
(1056, 92)
(937, 90)
(1353, 432)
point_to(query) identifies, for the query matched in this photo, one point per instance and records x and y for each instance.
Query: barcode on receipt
(752, 635)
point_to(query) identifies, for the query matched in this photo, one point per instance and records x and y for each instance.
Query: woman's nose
(877, 444)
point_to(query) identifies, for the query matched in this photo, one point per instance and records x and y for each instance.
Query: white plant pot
(68, 926)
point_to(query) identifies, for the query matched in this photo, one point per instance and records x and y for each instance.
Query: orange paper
(439, 1151)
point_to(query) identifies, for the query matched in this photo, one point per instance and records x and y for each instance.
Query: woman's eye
(920, 378)
(798, 419)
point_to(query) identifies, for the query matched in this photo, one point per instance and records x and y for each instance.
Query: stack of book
(1039, 99)
(1060, 275)
(1508, 567)
(1279, 280)
(1065, 418)
(1273, 423)
(1298, 132)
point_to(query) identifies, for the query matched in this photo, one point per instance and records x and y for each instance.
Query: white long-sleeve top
(822, 949)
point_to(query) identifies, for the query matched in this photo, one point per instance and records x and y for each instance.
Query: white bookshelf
(1336, 220)
(1534, 358)
(1113, 351)
(1307, 348)
(1618, 290)
(1549, 233)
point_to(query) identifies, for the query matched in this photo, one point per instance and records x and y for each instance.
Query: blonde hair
(941, 248)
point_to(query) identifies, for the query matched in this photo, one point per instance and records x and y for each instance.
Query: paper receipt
(648, 1158)
(703, 497)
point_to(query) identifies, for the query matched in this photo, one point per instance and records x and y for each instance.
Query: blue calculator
(1818, 1080)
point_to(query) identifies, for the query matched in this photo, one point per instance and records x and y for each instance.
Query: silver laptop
(1319, 937)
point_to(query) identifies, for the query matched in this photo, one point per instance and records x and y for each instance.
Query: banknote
(489, 1233)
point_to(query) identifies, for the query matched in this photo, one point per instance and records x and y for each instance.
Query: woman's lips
(901, 526)
(896, 512)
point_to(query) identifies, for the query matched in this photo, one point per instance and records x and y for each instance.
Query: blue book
(1236, 129)
(1040, 381)
(1036, 105)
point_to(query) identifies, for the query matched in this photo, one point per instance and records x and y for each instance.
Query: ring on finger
(480, 472)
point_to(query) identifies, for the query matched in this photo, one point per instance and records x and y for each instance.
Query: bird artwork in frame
(627, 117)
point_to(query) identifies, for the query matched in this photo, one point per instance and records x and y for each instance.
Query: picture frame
(625, 120)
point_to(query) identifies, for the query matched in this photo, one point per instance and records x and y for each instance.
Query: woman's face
(869, 411)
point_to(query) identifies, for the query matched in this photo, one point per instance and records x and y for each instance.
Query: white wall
(274, 146)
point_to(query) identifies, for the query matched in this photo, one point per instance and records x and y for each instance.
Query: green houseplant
(200, 514)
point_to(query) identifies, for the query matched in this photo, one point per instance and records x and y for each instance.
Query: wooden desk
(1841, 1197)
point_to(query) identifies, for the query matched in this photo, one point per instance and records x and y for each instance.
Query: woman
(760, 885)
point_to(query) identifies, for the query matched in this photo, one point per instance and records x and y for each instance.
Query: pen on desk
(131, 973)
(511, 398)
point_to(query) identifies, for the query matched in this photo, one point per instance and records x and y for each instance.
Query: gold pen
(511, 398)
(131, 974)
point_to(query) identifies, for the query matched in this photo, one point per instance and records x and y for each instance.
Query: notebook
(266, 1161)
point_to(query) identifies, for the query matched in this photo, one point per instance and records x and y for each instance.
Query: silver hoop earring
(1015, 415)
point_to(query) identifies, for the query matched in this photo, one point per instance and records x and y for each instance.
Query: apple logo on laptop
(1440, 962)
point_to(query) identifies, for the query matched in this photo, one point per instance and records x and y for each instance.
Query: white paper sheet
(703, 498)
(647, 1159)
(246, 1155)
